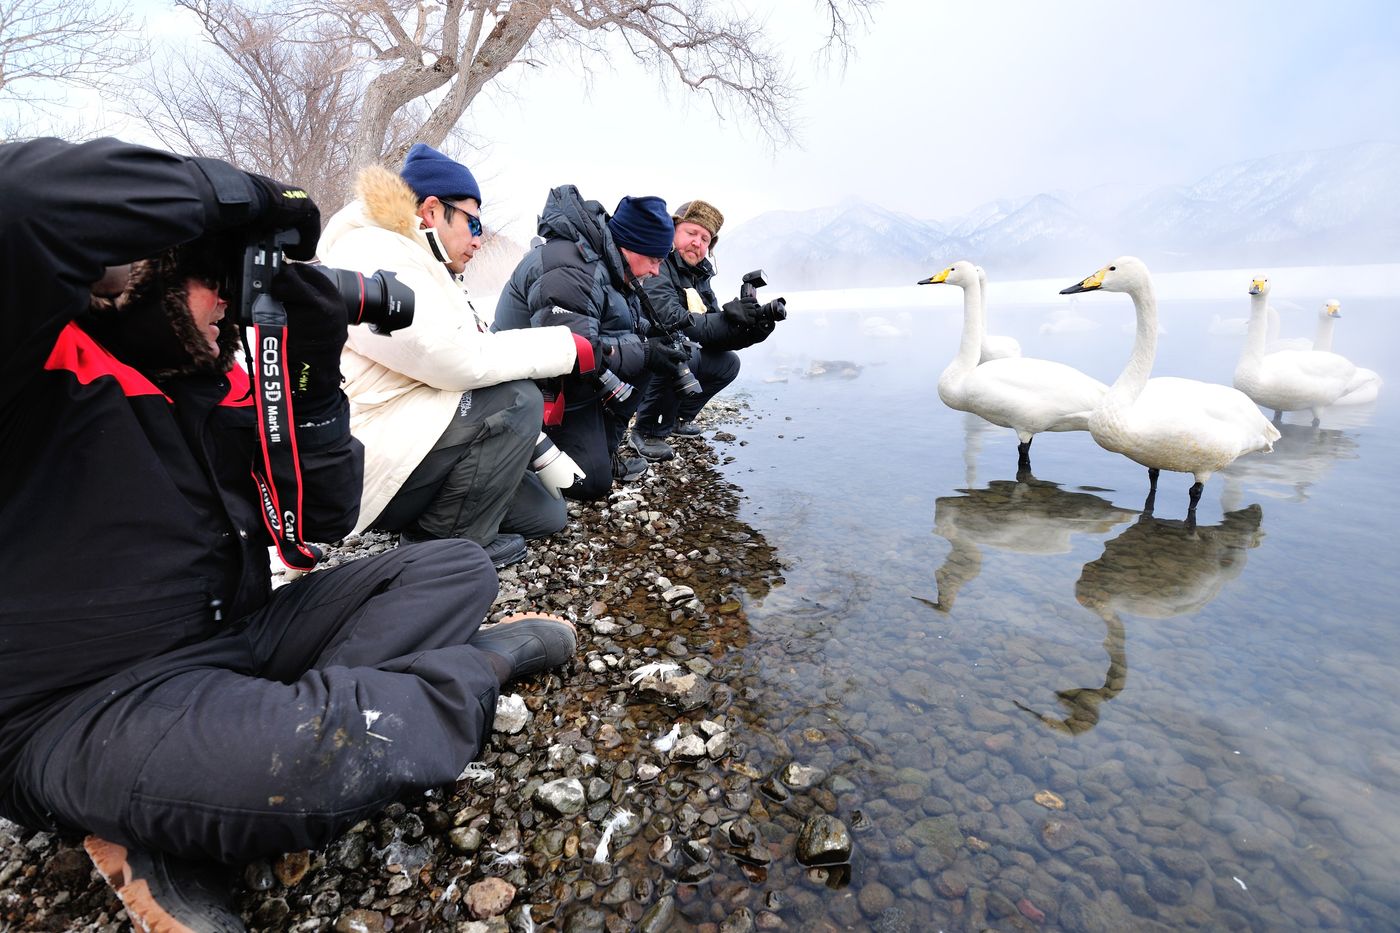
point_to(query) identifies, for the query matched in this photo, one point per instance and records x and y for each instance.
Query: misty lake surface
(1033, 706)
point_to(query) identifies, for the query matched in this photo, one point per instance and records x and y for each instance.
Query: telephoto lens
(614, 389)
(379, 300)
(686, 383)
(556, 469)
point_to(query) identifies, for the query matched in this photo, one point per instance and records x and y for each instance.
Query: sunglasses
(473, 221)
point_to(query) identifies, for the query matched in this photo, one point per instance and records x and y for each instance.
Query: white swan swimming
(1366, 384)
(1026, 395)
(994, 347)
(1168, 423)
(1287, 380)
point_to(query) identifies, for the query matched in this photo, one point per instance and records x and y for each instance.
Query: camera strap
(279, 478)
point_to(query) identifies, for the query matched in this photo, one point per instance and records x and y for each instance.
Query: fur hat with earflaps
(703, 213)
(149, 326)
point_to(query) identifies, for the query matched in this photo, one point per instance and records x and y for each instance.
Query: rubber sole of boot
(142, 885)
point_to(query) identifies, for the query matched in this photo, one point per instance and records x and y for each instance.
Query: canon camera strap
(279, 479)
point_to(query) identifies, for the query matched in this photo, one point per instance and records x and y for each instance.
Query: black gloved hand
(663, 356)
(242, 201)
(287, 207)
(742, 311)
(316, 331)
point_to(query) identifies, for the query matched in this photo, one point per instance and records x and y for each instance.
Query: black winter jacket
(579, 269)
(129, 517)
(666, 296)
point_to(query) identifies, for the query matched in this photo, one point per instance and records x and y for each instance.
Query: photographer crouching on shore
(155, 694)
(681, 302)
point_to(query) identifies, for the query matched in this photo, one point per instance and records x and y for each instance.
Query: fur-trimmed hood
(149, 325)
(383, 200)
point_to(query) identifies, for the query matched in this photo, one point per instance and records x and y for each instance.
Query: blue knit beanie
(644, 226)
(429, 172)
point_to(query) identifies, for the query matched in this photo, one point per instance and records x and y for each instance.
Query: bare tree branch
(378, 74)
(48, 44)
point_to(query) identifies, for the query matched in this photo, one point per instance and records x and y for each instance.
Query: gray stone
(563, 797)
(801, 777)
(823, 840)
(660, 917)
(677, 594)
(511, 713)
(689, 748)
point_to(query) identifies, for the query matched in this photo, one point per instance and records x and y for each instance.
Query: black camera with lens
(378, 300)
(684, 382)
(770, 312)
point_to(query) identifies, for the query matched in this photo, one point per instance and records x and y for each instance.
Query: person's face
(461, 236)
(207, 310)
(640, 266)
(692, 242)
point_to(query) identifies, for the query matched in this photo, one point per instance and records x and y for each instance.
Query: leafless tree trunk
(49, 45)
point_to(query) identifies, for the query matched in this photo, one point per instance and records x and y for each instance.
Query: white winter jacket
(404, 388)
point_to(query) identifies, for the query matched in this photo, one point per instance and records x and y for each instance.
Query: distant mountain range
(1308, 208)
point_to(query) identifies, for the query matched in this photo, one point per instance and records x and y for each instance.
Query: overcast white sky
(951, 103)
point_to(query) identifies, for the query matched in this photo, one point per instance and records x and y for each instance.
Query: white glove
(556, 469)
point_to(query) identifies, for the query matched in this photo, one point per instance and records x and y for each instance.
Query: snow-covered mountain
(1330, 206)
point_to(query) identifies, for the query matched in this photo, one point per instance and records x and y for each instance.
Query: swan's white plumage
(1287, 380)
(1029, 396)
(1365, 385)
(1168, 423)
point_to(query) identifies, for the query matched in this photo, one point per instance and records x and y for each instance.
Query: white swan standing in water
(1288, 380)
(1027, 395)
(994, 347)
(1366, 384)
(1168, 423)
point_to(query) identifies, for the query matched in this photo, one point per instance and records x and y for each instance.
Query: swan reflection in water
(1301, 457)
(1027, 516)
(1158, 569)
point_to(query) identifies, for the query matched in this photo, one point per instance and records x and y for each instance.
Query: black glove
(663, 356)
(243, 200)
(743, 311)
(316, 331)
(287, 207)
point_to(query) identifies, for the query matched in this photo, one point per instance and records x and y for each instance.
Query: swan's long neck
(1322, 338)
(1134, 376)
(970, 349)
(1257, 334)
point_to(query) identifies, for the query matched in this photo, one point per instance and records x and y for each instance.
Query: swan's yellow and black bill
(936, 279)
(1092, 282)
(1256, 286)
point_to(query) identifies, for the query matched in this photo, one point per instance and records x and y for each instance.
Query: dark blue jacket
(578, 268)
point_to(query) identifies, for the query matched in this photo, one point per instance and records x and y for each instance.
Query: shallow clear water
(1216, 709)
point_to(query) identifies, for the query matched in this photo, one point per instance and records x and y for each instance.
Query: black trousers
(348, 688)
(590, 434)
(476, 481)
(661, 406)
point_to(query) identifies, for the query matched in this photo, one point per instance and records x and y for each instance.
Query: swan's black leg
(1151, 493)
(1191, 509)
(1152, 474)
(1278, 416)
(1316, 421)
(1023, 455)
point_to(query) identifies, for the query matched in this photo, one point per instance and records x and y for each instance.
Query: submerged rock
(823, 840)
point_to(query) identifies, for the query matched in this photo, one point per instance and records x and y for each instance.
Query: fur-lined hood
(149, 325)
(383, 200)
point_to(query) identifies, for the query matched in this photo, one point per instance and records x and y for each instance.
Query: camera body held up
(769, 312)
(378, 300)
